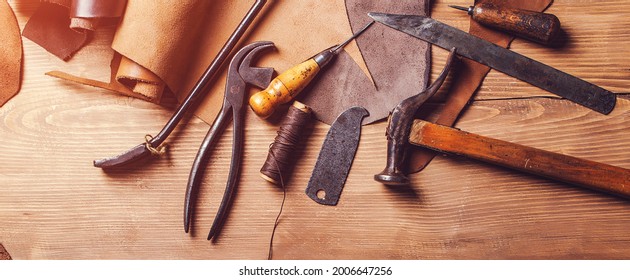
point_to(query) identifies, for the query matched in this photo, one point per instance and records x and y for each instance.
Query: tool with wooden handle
(516, 65)
(536, 26)
(290, 83)
(568, 169)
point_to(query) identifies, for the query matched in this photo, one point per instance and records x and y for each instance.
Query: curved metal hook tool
(240, 74)
(191, 100)
(400, 122)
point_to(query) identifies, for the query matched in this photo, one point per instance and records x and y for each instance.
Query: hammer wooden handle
(581, 172)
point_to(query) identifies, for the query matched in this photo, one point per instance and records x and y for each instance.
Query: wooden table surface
(55, 205)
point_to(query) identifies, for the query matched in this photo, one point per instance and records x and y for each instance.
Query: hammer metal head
(400, 122)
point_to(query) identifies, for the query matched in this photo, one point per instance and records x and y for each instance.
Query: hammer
(403, 130)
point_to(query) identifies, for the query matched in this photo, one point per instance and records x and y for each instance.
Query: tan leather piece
(62, 27)
(10, 53)
(140, 80)
(179, 53)
(157, 41)
(470, 75)
(112, 85)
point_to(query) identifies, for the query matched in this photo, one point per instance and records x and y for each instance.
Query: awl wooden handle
(283, 88)
(536, 26)
(581, 172)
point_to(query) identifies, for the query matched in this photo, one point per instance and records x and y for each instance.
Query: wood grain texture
(555, 166)
(55, 205)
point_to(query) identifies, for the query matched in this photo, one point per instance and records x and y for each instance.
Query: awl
(504, 60)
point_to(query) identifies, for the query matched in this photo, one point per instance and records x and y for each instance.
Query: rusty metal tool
(504, 60)
(291, 82)
(336, 156)
(398, 126)
(240, 74)
(191, 101)
(535, 26)
(403, 130)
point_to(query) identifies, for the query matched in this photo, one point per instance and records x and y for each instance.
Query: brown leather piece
(112, 85)
(4, 255)
(49, 27)
(10, 53)
(179, 53)
(62, 27)
(398, 63)
(470, 75)
(298, 31)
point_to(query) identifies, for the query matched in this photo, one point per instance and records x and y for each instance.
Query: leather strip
(470, 75)
(10, 53)
(112, 85)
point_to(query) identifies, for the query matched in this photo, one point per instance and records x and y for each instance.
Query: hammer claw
(400, 122)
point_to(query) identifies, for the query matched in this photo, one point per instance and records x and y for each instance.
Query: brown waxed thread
(283, 147)
(296, 119)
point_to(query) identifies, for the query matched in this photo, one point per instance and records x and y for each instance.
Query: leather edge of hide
(15, 57)
(4, 254)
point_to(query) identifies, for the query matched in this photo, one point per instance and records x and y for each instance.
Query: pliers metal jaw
(240, 74)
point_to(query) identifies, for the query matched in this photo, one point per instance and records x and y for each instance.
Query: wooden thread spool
(281, 151)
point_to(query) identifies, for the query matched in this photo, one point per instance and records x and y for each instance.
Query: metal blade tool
(503, 60)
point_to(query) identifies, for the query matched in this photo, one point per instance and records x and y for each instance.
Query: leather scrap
(470, 75)
(62, 27)
(398, 64)
(156, 41)
(112, 85)
(4, 255)
(179, 53)
(10, 53)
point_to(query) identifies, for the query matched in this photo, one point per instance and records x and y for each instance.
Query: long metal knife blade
(503, 60)
(336, 156)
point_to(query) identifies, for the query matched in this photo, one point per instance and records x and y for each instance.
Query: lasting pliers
(240, 74)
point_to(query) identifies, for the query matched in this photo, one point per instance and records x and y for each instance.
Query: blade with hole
(336, 156)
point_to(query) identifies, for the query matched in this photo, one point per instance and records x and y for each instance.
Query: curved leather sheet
(10, 53)
(157, 39)
(398, 63)
(470, 76)
(179, 53)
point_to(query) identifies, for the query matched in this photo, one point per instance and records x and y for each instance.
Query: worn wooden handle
(581, 172)
(535, 26)
(283, 88)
